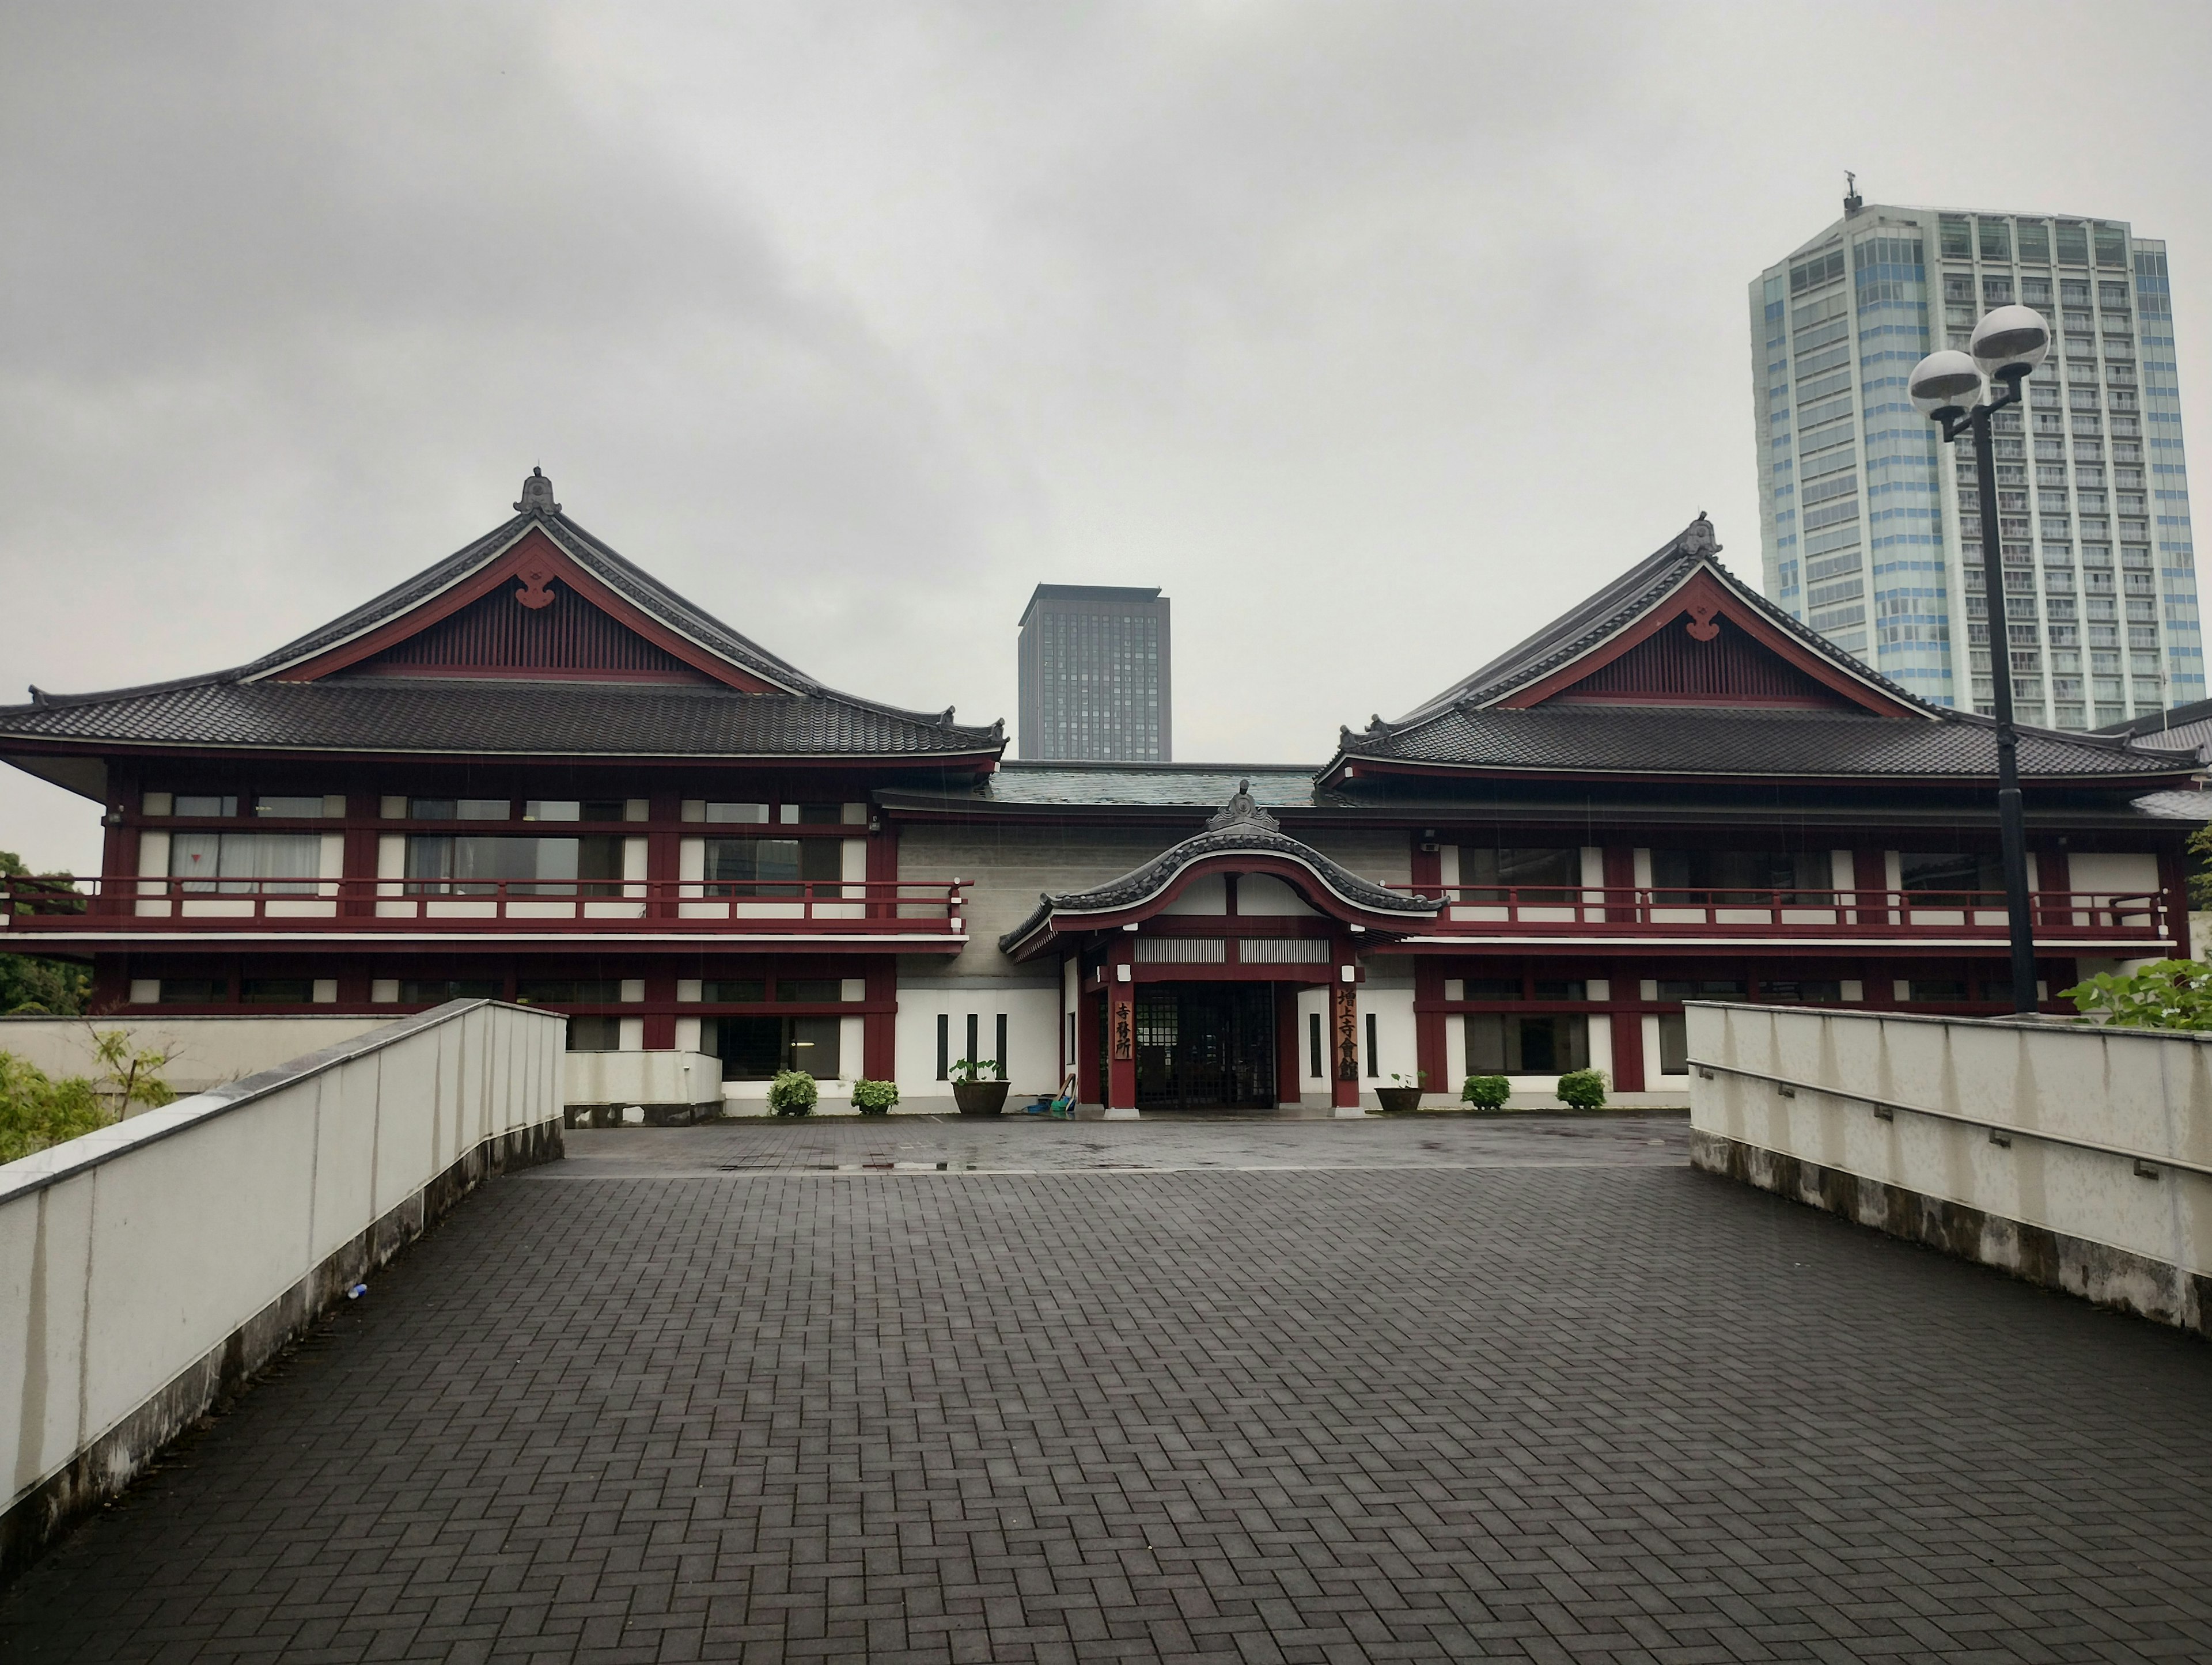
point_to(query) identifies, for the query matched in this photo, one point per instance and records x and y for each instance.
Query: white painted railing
(149, 1267)
(2075, 1156)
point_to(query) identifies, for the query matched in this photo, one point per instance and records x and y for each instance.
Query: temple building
(532, 771)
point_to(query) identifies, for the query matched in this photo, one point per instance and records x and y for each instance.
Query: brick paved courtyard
(1235, 1391)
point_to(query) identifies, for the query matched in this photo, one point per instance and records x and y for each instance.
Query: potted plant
(792, 1093)
(874, 1097)
(1486, 1092)
(1404, 1092)
(979, 1087)
(1583, 1090)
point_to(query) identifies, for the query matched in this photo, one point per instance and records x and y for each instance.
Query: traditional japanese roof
(1741, 691)
(2185, 728)
(1241, 830)
(590, 656)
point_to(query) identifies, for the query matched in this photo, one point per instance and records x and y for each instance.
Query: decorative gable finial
(537, 494)
(1698, 538)
(1241, 810)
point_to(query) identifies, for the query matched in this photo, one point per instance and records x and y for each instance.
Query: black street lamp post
(1950, 387)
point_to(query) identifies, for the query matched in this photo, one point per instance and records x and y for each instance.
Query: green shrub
(1486, 1092)
(874, 1097)
(977, 1069)
(2168, 994)
(37, 1112)
(1583, 1090)
(792, 1093)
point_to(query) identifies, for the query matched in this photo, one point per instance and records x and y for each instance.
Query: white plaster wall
(1382, 855)
(1391, 1003)
(1006, 867)
(642, 1078)
(1032, 1012)
(205, 1211)
(2136, 1091)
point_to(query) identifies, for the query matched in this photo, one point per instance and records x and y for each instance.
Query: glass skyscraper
(1870, 528)
(1095, 680)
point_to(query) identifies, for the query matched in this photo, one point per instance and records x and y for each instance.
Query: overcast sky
(1374, 334)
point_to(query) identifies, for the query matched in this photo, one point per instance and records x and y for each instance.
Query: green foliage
(875, 1097)
(2168, 995)
(794, 1093)
(37, 1112)
(1486, 1092)
(1583, 1090)
(133, 1076)
(37, 987)
(976, 1069)
(2200, 881)
(1418, 1078)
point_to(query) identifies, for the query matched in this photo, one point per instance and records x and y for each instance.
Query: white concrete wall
(2120, 1108)
(642, 1078)
(1033, 1023)
(131, 1257)
(208, 1051)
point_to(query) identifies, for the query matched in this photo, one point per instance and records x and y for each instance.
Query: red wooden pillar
(1429, 1025)
(1870, 875)
(879, 1024)
(1089, 1014)
(1628, 1050)
(1620, 880)
(1344, 1026)
(664, 855)
(660, 1009)
(1290, 1068)
(1120, 1027)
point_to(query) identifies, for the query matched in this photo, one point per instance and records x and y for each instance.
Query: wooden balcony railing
(1647, 910)
(56, 906)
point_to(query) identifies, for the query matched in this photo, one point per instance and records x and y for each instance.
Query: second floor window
(1747, 879)
(1534, 875)
(463, 865)
(770, 866)
(246, 864)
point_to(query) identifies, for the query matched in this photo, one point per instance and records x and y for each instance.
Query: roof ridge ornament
(1698, 538)
(538, 496)
(1243, 811)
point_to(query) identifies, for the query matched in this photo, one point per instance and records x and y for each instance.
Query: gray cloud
(1375, 334)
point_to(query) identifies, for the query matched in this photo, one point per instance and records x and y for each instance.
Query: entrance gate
(1206, 1045)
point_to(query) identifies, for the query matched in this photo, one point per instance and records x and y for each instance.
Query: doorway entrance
(1206, 1045)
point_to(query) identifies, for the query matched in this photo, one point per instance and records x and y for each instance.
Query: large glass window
(1739, 877)
(1534, 873)
(1948, 878)
(569, 991)
(769, 867)
(436, 991)
(754, 1048)
(247, 863)
(1527, 1043)
(460, 809)
(441, 864)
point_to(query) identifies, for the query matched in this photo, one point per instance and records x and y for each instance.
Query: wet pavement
(1223, 1391)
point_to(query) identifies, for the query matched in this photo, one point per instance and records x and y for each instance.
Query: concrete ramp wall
(2073, 1156)
(147, 1269)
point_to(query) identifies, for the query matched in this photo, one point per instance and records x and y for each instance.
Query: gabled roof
(1548, 705)
(1241, 828)
(727, 695)
(2185, 728)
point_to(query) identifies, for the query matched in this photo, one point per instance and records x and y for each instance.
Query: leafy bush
(977, 1069)
(1583, 1090)
(1486, 1092)
(34, 987)
(792, 1093)
(37, 1112)
(875, 1097)
(2168, 994)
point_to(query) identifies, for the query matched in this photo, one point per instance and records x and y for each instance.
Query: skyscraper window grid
(1095, 680)
(1868, 532)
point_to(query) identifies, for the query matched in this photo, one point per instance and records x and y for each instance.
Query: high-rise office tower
(1871, 527)
(1095, 683)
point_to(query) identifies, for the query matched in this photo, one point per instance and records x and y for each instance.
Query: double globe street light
(1953, 389)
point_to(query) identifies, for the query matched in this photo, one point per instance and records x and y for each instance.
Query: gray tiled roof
(1242, 829)
(1705, 742)
(242, 708)
(2175, 806)
(469, 716)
